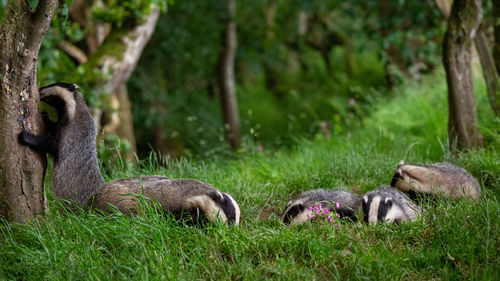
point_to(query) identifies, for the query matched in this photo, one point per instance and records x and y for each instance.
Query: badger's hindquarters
(387, 204)
(189, 199)
(437, 179)
(297, 210)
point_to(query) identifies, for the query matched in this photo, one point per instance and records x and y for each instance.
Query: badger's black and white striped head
(296, 211)
(380, 208)
(63, 97)
(387, 204)
(217, 205)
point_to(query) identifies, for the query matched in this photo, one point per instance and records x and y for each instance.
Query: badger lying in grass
(297, 210)
(71, 142)
(436, 179)
(183, 198)
(387, 204)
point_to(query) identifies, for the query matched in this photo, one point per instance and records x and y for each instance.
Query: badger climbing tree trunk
(226, 77)
(457, 51)
(21, 169)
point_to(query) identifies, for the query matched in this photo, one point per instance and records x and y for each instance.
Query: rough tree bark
(226, 77)
(457, 51)
(490, 72)
(21, 170)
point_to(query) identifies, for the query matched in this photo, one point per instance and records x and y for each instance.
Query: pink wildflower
(337, 215)
(338, 225)
(330, 219)
(352, 101)
(337, 205)
(260, 147)
(319, 205)
(324, 124)
(308, 216)
(316, 209)
(310, 208)
(325, 211)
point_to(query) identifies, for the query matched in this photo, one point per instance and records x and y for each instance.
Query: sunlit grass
(452, 240)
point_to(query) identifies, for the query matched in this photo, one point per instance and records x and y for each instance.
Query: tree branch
(73, 51)
(40, 21)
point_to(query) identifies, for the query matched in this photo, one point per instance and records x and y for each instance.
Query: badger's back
(436, 179)
(177, 196)
(76, 172)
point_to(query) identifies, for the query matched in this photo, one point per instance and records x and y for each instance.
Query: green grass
(452, 240)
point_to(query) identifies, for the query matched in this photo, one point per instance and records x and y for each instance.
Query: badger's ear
(388, 202)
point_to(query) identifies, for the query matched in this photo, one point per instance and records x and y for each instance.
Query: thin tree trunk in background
(490, 72)
(457, 52)
(226, 78)
(121, 123)
(21, 170)
(496, 27)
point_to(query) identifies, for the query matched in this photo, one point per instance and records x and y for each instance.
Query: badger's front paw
(25, 138)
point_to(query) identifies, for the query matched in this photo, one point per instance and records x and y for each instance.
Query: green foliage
(120, 12)
(276, 81)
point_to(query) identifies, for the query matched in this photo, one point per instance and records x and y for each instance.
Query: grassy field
(452, 240)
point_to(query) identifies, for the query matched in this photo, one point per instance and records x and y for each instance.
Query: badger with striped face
(70, 140)
(387, 204)
(297, 210)
(436, 179)
(189, 200)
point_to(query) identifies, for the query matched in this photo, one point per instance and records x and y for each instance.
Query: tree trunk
(121, 123)
(21, 170)
(226, 78)
(119, 53)
(457, 51)
(496, 27)
(490, 72)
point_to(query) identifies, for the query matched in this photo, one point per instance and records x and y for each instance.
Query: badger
(184, 198)
(76, 176)
(387, 204)
(436, 179)
(70, 141)
(297, 210)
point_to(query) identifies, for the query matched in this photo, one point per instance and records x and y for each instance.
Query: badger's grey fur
(76, 175)
(387, 204)
(296, 210)
(71, 142)
(180, 197)
(440, 179)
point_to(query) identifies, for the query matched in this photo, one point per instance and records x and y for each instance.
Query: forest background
(265, 99)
